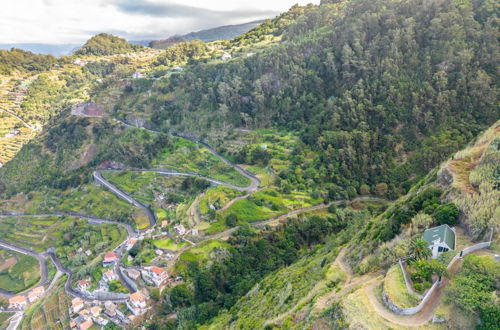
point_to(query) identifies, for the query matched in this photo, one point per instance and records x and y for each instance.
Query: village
(99, 303)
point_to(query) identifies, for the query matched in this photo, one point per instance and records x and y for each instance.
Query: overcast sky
(74, 21)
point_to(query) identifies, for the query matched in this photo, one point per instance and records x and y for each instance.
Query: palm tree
(419, 249)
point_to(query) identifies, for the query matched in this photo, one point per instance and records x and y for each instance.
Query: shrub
(232, 220)
(447, 214)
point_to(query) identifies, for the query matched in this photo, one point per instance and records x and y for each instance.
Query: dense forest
(18, 59)
(382, 91)
(106, 44)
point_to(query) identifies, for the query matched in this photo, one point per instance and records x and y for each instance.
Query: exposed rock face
(444, 178)
(87, 109)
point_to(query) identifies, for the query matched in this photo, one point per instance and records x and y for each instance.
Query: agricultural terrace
(186, 156)
(69, 235)
(86, 199)
(49, 313)
(18, 272)
(262, 205)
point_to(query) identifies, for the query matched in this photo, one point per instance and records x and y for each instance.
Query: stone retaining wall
(413, 310)
(408, 281)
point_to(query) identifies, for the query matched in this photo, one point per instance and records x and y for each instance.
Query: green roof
(442, 233)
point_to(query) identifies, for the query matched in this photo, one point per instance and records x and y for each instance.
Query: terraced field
(33, 233)
(14, 131)
(187, 156)
(51, 313)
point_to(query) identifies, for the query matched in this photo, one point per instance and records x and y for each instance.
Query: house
(130, 243)
(72, 324)
(84, 285)
(76, 305)
(109, 276)
(134, 274)
(95, 311)
(110, 309)
(110, 259)
(137, 303)
(164, 223)
(85, 325)
(157, 275)
(440, 239)
(158, 252)
(88, 253)
(226, 56)
(84, 314)
(36, 293)
(137, 75)
(101, 321)
(18, 302)
(179, 229)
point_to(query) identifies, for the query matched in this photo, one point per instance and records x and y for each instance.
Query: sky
(75, 21)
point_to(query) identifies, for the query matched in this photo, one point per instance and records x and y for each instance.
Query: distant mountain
(38, 48)
(219, 33)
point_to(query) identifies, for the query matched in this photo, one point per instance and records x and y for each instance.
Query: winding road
(99, 179)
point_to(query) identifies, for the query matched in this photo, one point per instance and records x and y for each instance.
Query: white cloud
(74, 21)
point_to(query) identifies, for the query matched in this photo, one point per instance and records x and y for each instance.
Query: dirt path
(349, 285)
(429, 309)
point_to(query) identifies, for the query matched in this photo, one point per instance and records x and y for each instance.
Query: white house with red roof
(109, 276)
(76, 305)
(110, 259)
(18, 302)
(130, 243)
(137, 303)
(157, 275)
(83, 285)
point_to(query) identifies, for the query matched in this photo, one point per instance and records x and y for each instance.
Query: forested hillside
(106, 44)
(381, 90)
(18, 59)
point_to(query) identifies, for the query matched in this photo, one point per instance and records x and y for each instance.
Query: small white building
(36, 293)
(440, 239)
(226, 56)
(179, 229)
(18, 302)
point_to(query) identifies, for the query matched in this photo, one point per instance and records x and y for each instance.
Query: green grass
(168, 244)
(202, 251)
(268, 203)
(218, 197)
(395, 287)
(20, 276)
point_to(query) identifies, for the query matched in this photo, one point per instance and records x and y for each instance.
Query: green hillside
(278, 177)
(106, 44)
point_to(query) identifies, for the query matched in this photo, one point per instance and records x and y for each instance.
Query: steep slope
(318, 290)
(382, 90)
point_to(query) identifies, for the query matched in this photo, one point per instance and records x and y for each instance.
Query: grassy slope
(395, 288)
(20, 276)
